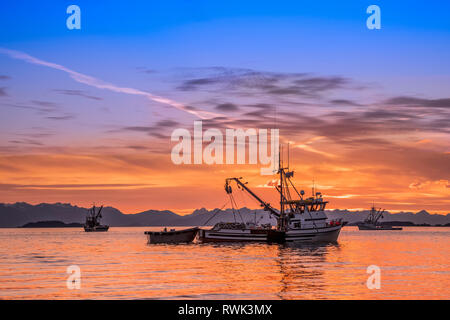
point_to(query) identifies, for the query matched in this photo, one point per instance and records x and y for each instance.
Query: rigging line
(292, 184)
(238, 210)
(217, 211)
(288, 193)
(232, 206)
(253, 200)
(243, 196)
(243, 199)
(237, 207)
(248, 196)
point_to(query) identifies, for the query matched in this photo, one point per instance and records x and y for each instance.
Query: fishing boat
(92, 223)
(372, 221)
(298, 218)
(172, 236)
(236, 232)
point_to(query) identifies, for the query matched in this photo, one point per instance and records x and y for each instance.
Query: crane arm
(264, 204)
(99, 211)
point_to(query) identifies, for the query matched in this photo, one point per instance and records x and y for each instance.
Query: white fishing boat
(299, 219)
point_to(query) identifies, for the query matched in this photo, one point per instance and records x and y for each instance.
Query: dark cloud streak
(78, 93)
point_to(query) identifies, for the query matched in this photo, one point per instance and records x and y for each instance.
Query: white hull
(326, 234)
(239, 235)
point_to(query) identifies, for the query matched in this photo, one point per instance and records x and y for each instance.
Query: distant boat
(92, 223)
(172, 236)
(371, 222)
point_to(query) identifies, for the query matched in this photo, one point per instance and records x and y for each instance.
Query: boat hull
(96, 229)
(180, 236)
(328, 234)
(371, 227)
(238, 235)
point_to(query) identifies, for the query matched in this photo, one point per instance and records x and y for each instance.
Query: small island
(52, 224)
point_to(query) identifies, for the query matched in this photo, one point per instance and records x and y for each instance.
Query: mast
(281, 182)
(288, 158)
(313, 188)
(98, 213)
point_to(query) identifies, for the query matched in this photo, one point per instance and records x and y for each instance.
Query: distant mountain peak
(200, 211)
(423, 213)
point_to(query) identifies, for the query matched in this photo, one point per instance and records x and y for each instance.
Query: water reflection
(301, 267)
(119, 265)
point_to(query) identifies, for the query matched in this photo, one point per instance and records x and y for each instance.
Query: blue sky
(119, 39)
(314, 36)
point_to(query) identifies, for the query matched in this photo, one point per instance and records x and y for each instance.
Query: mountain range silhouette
(20, 213)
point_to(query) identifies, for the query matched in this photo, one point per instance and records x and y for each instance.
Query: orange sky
(112, 146)
(135, 181)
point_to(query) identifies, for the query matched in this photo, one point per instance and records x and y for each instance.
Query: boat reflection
(303, 269)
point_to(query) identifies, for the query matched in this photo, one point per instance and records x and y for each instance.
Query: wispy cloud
(307, 146)
(227, 107)
(406, 101)
(65, 117)
(27, 141)
(253, 82)
(77, 93)
(100, 84)
(104, 186)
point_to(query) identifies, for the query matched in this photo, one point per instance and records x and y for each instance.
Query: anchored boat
(172, 236)
(236, 232)
(92, 223)
(371, 222)
(299, 219)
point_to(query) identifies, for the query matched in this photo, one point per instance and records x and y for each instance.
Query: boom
(267, 206)
(98, 214)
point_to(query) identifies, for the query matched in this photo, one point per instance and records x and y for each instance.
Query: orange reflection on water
(120, 265)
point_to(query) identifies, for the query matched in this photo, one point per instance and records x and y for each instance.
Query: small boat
(371, 222)
(172, 236)
(92, 223)
(364, 226)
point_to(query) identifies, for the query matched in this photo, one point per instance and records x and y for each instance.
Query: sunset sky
(86, 115)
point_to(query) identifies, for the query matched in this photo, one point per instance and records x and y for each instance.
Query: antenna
(288, 155)
(279, 157)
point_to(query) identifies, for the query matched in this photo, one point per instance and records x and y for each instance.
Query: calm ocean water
(119, 264)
